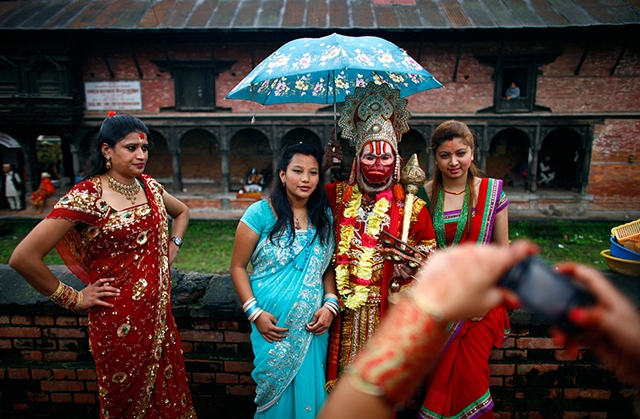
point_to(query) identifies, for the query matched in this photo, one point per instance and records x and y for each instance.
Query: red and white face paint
(377, 161)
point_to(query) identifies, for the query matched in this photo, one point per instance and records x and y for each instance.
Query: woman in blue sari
(291, 296)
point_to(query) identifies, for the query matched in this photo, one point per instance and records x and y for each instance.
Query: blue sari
(287, 282)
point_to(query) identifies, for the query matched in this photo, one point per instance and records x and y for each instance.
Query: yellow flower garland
(354, 295)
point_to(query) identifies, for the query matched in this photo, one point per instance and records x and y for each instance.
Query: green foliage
(208, 245)
(567, 240)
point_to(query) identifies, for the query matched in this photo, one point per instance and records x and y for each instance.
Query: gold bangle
(67, 297)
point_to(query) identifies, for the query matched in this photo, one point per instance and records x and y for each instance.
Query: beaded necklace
(438, 220)
(129, 191)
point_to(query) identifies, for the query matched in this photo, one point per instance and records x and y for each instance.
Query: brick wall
(46, 368)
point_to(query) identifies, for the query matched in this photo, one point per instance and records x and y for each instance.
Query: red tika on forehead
(377, 148)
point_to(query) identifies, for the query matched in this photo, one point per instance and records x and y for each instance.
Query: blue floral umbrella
(325, 70)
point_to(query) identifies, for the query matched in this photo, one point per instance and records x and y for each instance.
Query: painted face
(454, 158)
(377, 161)
(302, 176)
(129, 156)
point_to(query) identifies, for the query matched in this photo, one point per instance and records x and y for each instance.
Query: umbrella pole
(335, 130)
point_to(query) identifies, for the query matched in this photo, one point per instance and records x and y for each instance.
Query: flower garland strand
(355, 295)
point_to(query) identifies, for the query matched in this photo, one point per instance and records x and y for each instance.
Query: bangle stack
(251, 309)
(67, 297)
(331, 302)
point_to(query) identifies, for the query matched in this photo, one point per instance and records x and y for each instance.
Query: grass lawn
(208, 244)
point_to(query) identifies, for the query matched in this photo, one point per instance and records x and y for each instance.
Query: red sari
(45, 189)
(458, 384)
(135, 344)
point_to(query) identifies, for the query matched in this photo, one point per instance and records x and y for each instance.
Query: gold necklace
(129, 191)
(454, 193)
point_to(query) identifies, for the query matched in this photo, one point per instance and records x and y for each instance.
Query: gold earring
(108, 164)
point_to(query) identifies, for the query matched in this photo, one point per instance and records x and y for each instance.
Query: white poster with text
(117, 95)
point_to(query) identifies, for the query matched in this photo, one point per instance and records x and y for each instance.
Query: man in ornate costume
(373, 119)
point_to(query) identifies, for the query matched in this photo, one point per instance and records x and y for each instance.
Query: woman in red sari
(464, 208)
(112, 232)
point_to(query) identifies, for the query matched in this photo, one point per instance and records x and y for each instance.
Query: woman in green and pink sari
(464, 208)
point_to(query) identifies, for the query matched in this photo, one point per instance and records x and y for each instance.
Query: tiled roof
(314, 14)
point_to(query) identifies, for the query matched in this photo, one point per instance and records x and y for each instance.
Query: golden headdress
(374, 112)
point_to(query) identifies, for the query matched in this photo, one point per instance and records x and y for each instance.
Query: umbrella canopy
(325, 70)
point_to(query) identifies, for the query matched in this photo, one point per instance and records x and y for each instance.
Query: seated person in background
(45, 189)
(254, 181)
(546, 175)
(512, 91)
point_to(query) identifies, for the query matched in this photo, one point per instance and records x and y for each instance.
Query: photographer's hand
(612, 324)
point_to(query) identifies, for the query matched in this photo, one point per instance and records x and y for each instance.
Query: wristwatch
(177, 241)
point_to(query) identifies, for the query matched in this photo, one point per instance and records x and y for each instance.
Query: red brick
(496, 354)
(24, 343)
(60, 356)
(246, 379)
(64, 374)
(579, 393)
(202, 324)
(187, 347)
(59, 386)
(241, 390)
(237, 337)
(83, 321)
(227, 325)
(503, 415)
(22, 320)
(87, 375)
(20, 332)
(524, 369)
(61, 397)
(508, 343)
(92, 386)
(516, 353)
(5, 319)
(537, 343)
(84, 398)
(583, 415)
(32, 356)
(6, 344)
(203, 377)
(227, 347)
(20, 406)
(564, 355)
(38, 397)
(495, 381)
(40, 374)
(234, 366)
(223, 378)
(18, 373)
(67, 321)
(3, 373)
(44, 321)
(501, 369)
(66, 333)
(201, 336)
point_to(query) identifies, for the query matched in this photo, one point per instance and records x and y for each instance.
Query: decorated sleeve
(503, 202)
(81, 204)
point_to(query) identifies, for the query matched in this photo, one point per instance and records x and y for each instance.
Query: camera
(546, 292)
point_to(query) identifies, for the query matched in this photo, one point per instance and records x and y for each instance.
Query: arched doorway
(249, 149)
(508, 158)
(413, 143)
(560, 160)
(159, 165)
(200, 158)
